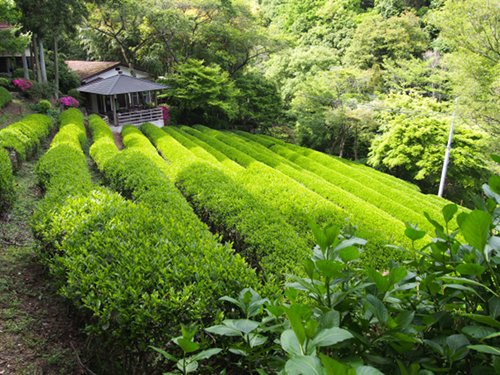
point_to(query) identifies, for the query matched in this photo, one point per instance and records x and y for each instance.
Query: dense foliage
(437, 313)
(5, 97)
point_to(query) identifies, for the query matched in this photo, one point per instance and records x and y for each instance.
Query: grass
(36, 334)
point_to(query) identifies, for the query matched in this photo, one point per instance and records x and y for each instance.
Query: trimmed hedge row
(300, 196)
(62, 171)
(7, 192)
(103, 147)
(260, 234)
(172, 259)
(5, 97)
(340, 189)
(24, 137)
(202, 150)
(383, 183)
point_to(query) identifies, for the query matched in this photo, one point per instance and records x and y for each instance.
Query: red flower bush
(22, 85)
(68, 101)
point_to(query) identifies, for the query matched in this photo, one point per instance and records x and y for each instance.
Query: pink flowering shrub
(166, 114)
(68, 101)
(22, 85)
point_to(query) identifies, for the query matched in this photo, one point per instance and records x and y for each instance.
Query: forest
(376, 81)
(284, 217)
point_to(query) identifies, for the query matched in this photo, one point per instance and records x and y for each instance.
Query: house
(90, 71)
(122, 99)
(10, 61)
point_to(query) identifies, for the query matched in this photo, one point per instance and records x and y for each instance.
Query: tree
(377, 40)
(259, 103)
(470, 29)
(11, 40)
(412, 141)
(201, 94)
(328, 114)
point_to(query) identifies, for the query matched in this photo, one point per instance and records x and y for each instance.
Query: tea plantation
(183, 216)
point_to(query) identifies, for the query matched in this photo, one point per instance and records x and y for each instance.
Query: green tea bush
(5, 97)
(24, 136)
(437, 313)
(181, 267)
(103, 147)
(43, 106)
(302, 197)
(5, 82)
(7, 192)
(62, 171)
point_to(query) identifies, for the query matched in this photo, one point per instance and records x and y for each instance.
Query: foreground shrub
(24, 137)
(5, 97)
(7, 192)
(437, 313)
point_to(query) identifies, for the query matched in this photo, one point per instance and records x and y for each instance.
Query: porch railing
(140, 116)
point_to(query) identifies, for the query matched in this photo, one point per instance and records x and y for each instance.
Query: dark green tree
(201, 93)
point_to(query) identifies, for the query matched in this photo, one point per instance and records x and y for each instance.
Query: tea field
(149, 237)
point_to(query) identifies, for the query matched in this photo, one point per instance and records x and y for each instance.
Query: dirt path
(37, 335)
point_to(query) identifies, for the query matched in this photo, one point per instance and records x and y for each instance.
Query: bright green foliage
(435, 314)
(63, 163)
(24, 137)
(279, 185)
(259, 234)
(327, 113)
(259, 103)
(470, 29)
(103, 146)
(5, 97)
(377, 39)
(200, 269)
(7, 192)
(412, 145)
(202, 93)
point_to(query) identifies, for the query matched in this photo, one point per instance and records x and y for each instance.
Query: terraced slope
(299, 184)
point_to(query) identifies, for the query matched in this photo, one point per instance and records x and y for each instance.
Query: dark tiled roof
(120, 84)
(86, 69)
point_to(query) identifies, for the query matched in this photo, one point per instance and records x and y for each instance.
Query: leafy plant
(188, 363)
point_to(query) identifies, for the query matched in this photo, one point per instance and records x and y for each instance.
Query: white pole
(447, 155)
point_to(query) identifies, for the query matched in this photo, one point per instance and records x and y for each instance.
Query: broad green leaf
(223, 330)
(380, 281)
(485, 349)
(476, 228)
(472, 269)
(303, 365)
(457, 342)
(485, 320)
(244, 325)
(331, 336)
(238, 352)
(205, 354)
(187, 345)
(377, 308)
(329, 268)
(294, 314)
(494, 183)
(255, 339)
(368, 370)
(413, 233)
(164, 354)
(350, 242)
(333, 367)
(290, 343)
(397, 274)
(449, 211)
(495, 157)
(187, 366)
(494, 307)
(478, 332)
(349, 253)
(405, 318)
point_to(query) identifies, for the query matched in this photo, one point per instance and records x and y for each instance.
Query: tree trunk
(56, 67)
(37, 59)
(42, 63)
(26, 73)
